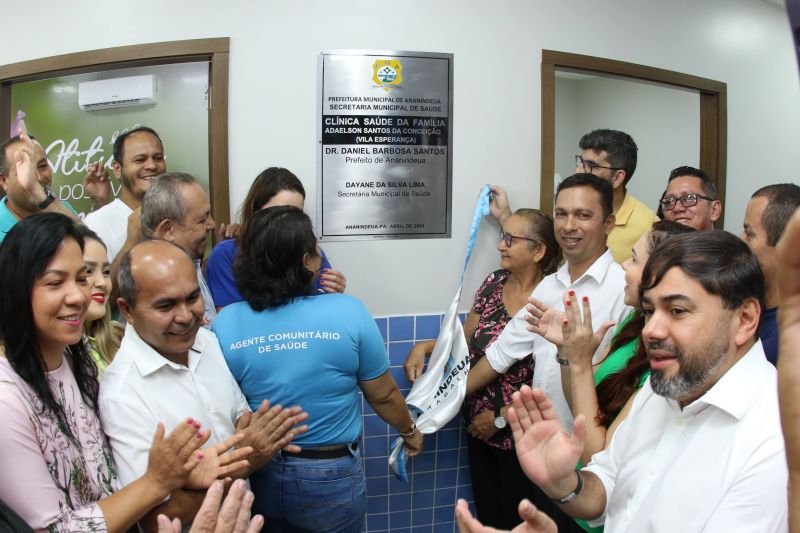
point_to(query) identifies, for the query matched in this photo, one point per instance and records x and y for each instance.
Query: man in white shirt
(582, 221)
(168, 368)
(177, 209)
(701, 449)
(138, 158)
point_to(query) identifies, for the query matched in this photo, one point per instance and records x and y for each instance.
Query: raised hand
(545, 321)
(97, 185)
(27, 173)
(579, 341)
(332, 280)
(216, 463)
(172, 459)
(546, 451)
(232, 517)
(535, 521)
(498, 205)
(270, 429)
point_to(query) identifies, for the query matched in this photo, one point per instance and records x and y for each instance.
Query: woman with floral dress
(528, 252)
(57, 469)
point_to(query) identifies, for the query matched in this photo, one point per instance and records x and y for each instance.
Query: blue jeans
(295, 494)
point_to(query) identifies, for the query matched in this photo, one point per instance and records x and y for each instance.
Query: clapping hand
(232, 517)
(27, 173)
(535, 521)
(270, 429)
(546, 451)
(216, 463)
(545, 321)
(172, 459)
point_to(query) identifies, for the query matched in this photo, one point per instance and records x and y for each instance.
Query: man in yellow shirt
(611, 155)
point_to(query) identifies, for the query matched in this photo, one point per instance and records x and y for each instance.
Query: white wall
(664, 122)
(274, 48)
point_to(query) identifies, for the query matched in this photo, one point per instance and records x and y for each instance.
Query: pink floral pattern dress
(493, 319)
(51, 481)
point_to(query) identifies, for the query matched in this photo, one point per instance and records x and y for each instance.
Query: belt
(328, 453)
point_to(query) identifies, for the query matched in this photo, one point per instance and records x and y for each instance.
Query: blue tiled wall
(437, 477)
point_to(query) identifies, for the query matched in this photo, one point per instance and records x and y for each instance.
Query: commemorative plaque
(384, 165)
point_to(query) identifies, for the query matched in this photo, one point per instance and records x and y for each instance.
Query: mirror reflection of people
(287, 345)
(58, 472)
(691, 198)
(102, 334)
(528, 252)
(274, 186)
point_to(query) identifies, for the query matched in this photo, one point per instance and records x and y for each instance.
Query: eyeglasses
(590, 165)
(509, 239)
(686, 200)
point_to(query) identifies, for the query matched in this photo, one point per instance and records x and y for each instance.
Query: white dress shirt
(716, 466)
(110, 222)
(141, 388)
(603, 283)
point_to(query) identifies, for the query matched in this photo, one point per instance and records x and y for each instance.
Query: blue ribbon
(481, 210)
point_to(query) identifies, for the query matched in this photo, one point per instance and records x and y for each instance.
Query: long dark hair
(24, 255)
(614, 391)
(270, 182)
(269, 269)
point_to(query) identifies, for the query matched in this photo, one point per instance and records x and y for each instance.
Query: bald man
(168, 368)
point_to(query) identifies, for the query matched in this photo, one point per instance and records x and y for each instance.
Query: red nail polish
(199, 435)
(189, 421)
(196, 425)
(585, 298)
(572, 293)
(569, 303)
(200, 456)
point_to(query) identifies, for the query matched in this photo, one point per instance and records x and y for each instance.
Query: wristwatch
(499, 420)
(48, 199)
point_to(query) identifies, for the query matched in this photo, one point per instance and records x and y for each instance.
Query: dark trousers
(499, 484)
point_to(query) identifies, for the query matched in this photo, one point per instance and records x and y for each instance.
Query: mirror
(675, 119)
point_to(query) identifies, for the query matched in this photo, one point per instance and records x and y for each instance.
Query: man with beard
(701, 449)
(138, 158)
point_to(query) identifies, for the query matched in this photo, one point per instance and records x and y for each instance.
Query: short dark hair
(622, 151)
(119, 143)
(164, 201)
(266, 185)
(25, 252)
(269, 269)
(540, 227)
(3, 161)
(721, 262)
(782, 201)
(707, 183)
(600, 185)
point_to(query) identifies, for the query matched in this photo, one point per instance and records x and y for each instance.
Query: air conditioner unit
(117, 92)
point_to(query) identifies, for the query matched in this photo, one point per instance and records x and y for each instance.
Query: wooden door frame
(215, 51)
(713, 113)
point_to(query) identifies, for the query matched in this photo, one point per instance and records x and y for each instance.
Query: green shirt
(614, 363)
